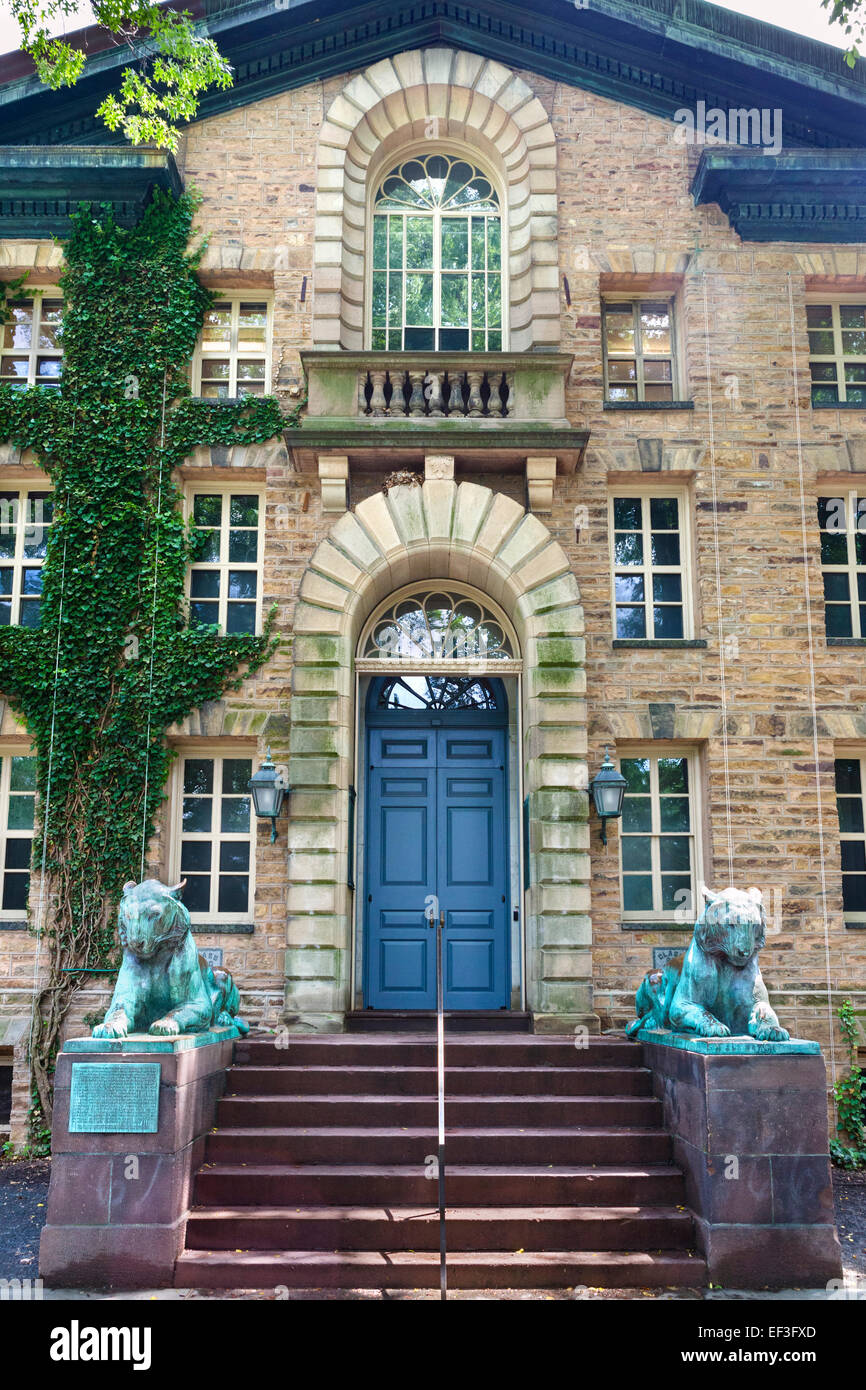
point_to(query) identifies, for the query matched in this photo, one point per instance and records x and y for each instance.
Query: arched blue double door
(436, 841)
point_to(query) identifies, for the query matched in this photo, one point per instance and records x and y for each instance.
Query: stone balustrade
(381, 386)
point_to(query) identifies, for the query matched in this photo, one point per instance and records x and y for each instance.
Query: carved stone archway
(465, 532)
(449, 95)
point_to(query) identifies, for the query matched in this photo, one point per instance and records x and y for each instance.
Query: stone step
(369, 1049)
(469, 1185)
(523, 1112)
(390, 1144)
(417, 1228)
(424, 1021)
(420, 1269)
(460, 1081)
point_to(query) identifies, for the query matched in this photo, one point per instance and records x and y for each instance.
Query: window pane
(204, 614)
(665, 547)
(848, 775)
(674, 852)
(243, 547)
(837, 620)
(195, 856)
(21, 812)
(631, 623)
(455, 243)
(836, 587)
(853, 855)
(667, 588)
(629, 587)
(854, 892)
(627, 513)
(196, 893)
(636, 852)
(636, 772)
(234, 893)
(419, 243)
(637, 893)
(673, 775)
(204, 583)
(198, 775)
(241, 617)
(235, 856)
(235, 816)
(668, 623)
(674, 813)
(207, 509)
(628, 548)
(850, 815)
(655, 322)
(636, 815)
(619, 326)
(419, 299)
(834, 548)
(236, 774)
(197, 815)
(455, 300)
(242, 583)
(676, 891)
(15, 890)
(243, 510)
(664, 513)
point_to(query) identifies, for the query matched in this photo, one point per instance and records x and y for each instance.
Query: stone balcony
(490, 412)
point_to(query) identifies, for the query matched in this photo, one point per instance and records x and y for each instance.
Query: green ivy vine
(114, 663)
(849, 1149)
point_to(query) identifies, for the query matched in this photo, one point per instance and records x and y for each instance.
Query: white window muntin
(647, 568)
(636, 372)
(842, 524)
(26, 513)
(17, 817)
(32, 340)
(669, 875)
(838, 373)
(233, 355)
(214, 833)
(225, 585)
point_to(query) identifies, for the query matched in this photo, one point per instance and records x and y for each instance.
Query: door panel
(437, 829)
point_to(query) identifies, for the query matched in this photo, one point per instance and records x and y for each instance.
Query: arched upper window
(437, 258)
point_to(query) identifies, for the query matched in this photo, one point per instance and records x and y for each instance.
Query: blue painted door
(437, 829)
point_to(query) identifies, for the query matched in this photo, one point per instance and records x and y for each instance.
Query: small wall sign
(114, 1098)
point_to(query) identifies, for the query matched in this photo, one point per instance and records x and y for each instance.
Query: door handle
(433, 921)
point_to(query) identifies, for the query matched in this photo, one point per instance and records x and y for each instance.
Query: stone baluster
(378, 405)
(417, 401)
(455, 403)
(509, 393)
(433, 392)
(476, 405)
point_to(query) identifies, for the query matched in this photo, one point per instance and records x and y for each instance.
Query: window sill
(660, 926)
(838, 405)
(223, 928)
(659, 643)
(651, 405)
(846, 641)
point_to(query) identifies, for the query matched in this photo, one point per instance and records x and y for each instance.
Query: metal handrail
(440, 1084)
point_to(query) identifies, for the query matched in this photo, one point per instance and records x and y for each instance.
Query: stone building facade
(738, 724)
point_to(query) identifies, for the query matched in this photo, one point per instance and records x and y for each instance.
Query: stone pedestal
(119, 1197)
(749, 1127)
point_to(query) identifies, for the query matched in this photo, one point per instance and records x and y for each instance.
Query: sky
(802, 16)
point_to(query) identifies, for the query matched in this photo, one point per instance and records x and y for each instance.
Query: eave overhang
(40, 186)
(657, 56)
(801, 195)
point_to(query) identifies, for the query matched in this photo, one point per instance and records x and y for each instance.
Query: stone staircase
(559, 1173)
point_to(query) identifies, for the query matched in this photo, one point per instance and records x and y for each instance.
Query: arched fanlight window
(437, 258)
(438, 625)
(438, 692)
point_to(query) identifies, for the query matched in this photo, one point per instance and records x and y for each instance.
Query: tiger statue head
(151, 917)
(733, 924)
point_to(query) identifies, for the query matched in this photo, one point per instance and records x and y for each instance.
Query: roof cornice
(657, 56)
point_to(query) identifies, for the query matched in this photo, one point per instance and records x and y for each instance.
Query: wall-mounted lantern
(608, 792)
(268, 786)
